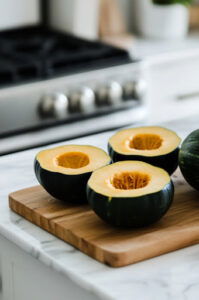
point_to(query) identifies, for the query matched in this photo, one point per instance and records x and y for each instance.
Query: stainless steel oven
(55, 85)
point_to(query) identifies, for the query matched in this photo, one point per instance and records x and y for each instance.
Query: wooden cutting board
(79, 226)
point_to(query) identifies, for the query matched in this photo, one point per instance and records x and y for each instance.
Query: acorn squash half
(155, 145)
(64, 171)
(130, 193)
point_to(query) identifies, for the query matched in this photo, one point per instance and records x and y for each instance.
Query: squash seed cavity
(73, 160)
(130, 180)
(146, 142)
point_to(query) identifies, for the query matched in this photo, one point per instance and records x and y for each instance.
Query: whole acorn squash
(64, 171)
(189, 159)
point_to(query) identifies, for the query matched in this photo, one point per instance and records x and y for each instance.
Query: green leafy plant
(166, 2)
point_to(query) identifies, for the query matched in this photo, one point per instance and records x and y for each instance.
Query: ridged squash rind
(189, 159)
(168, 162)
(69, 188)
(132, 211)
(63, 171)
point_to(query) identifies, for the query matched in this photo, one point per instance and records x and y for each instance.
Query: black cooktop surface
(36, 53)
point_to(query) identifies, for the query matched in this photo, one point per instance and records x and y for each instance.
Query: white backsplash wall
(14, 13)
(75, 16)
(127, 11)
(81, 17)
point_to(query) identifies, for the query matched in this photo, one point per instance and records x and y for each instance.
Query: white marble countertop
(170, 276)
(153, 48)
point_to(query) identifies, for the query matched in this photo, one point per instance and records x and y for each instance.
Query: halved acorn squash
(130, 193)
(64, 171)
(155, 145)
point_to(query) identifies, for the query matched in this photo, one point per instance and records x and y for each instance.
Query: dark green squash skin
(189, 159)
(70, 188)
(168, 162)
(132, 211)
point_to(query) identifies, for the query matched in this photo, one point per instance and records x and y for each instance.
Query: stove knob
(53, 105)
(109, 94)
(134, 90)
(82, 100)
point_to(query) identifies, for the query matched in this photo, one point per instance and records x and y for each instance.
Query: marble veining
(168, 277)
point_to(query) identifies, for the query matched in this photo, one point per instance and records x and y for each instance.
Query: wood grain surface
(79, 226)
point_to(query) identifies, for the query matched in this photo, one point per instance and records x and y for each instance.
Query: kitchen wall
(24, 13)
(128, 10)
(81, 17)
(127, 7)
